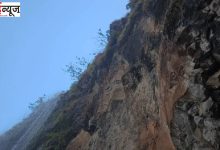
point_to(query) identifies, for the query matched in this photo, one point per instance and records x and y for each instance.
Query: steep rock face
(156, 86)
(196, 123)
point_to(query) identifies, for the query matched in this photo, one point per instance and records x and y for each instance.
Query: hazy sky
(36, 47)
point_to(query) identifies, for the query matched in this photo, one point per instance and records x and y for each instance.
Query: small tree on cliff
(103, 38)
(76, 69)
(37, 103)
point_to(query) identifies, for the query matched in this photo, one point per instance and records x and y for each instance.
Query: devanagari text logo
(9, 9)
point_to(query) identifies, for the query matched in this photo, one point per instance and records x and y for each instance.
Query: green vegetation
(37, 103)
(103, 38)
(131, 4)
(76, 69)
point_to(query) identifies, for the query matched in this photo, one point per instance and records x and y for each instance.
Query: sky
(35, 48)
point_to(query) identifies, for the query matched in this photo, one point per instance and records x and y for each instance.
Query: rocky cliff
(155, 87)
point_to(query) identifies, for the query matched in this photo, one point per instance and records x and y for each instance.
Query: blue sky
(35, 48)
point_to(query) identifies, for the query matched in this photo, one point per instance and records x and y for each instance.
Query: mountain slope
(156, 86)
(20, 135)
